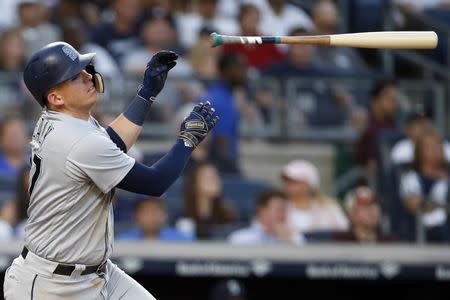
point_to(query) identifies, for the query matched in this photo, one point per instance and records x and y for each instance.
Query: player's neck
(79, 114)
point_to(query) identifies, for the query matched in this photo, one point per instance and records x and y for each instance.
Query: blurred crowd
(402, 194)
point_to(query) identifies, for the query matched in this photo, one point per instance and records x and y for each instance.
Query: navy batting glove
(156, 73)
(198, 124)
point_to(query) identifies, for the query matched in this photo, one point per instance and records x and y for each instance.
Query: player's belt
(63, 269)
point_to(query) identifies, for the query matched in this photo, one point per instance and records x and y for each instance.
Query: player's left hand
(156, 73)
(198, 124)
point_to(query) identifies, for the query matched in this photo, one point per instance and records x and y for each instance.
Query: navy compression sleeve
(155, 180)
(138, 109)
(116, 139)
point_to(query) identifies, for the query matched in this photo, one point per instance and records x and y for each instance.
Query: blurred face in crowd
(151, 217)
(208, 182)
(430, 150)
(325, 17)
(12, 50)
(158, 33)
(416, 127)
(30, 14)
(387, 102)
(297, 188)
(236, 74)
(301, 55)
(249, 19)
(127, 9)
(273, 214)
(207, 8)
(14, 137)
(365, 212)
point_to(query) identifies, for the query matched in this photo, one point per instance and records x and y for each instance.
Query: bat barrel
(387, 40)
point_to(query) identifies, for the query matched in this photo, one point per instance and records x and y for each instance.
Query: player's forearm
(129, 124)
(155, 180)
(126, 130)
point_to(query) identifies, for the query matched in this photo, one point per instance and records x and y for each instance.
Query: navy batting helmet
(54, 64)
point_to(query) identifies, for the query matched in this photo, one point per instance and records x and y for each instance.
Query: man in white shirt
(270, 225)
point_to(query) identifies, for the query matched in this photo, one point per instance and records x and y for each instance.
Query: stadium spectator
(204, 205)
(203, 58)
(364, 214)
(309, 209)
(204, 14)
(315, 105)
(120, 34)
(36, 29)
(270, 224)
(12, 61)
(158, 33)
(343, 60)
(13, 141)
(88, 11)
(403, 151)
(299, 60)
(383, 110)
(150, 217)
(12, 51)
(229, 289)
(280, 17)
(424, 189)
(225, 136)
(258, 56)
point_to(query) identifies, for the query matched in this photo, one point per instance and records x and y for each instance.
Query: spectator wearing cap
(229, 289)
(363, 212)
(403, 151)
(270, 224)
(383, 110)
(310, 211)
(150, 216)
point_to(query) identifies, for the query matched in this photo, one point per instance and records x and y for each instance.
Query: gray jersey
(74, 170)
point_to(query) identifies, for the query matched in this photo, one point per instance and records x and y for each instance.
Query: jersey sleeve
(100, 159)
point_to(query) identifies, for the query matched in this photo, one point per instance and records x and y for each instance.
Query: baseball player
(76, 164)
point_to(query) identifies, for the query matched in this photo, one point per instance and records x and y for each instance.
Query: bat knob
(216, 39)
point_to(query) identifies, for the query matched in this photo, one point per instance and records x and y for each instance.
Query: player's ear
(54, 98)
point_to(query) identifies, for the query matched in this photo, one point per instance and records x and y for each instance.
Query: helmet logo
(69, 52)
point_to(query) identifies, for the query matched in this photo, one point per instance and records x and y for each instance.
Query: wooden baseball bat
(381, 40)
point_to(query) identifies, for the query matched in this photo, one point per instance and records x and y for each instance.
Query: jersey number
(37, 171)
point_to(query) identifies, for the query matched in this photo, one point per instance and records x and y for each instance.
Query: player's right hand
(156, 73)
(198, 124)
